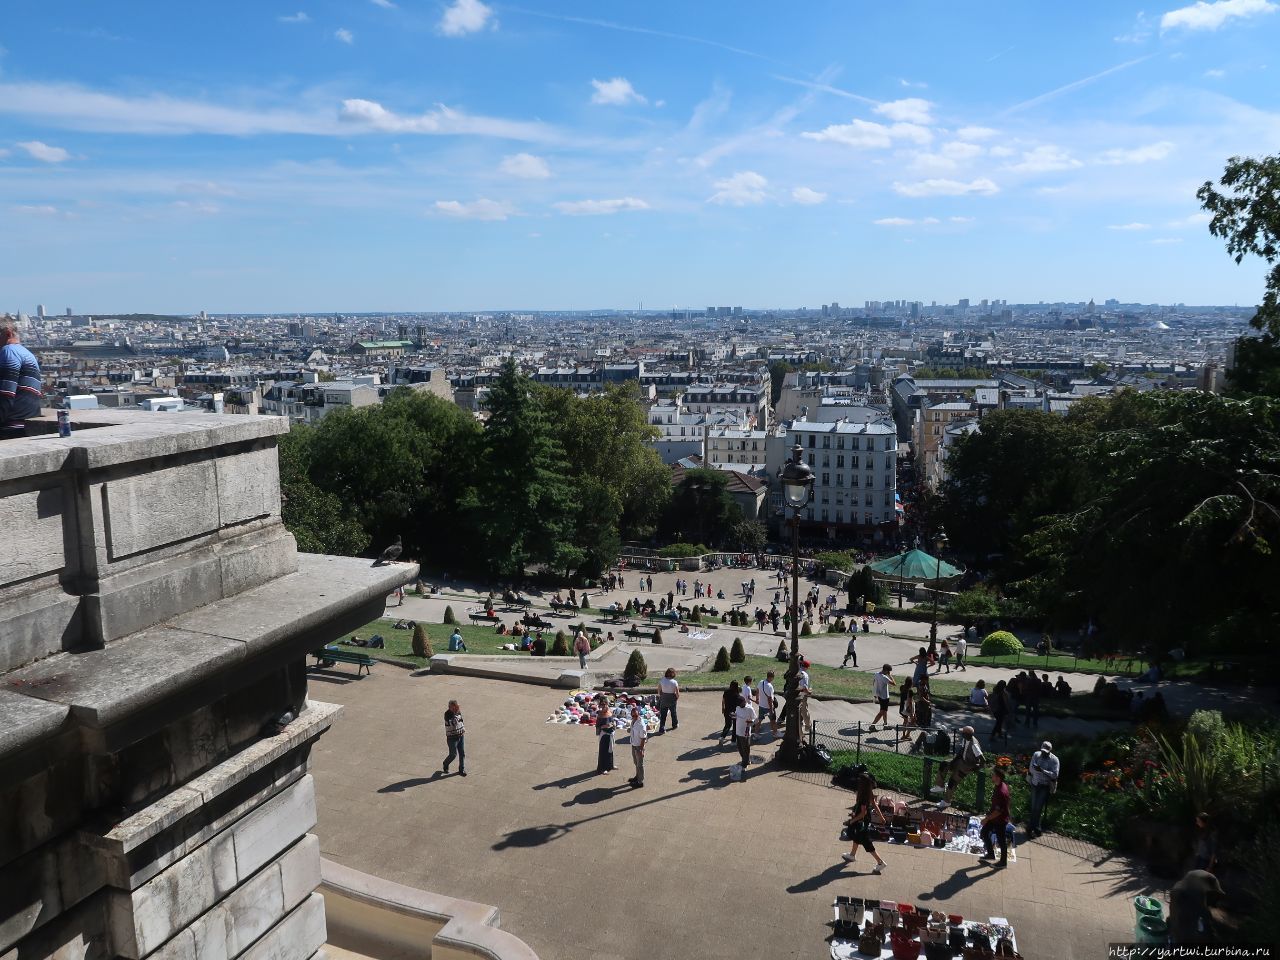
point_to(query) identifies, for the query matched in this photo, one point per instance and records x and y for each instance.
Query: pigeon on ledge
(391, 554)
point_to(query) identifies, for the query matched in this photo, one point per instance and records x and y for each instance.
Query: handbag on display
(849, 911)
(872, 940)
(956, 938)
(1004, 948)
(904, 946)
(938, 951)
(913, 923)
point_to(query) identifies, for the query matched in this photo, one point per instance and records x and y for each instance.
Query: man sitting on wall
(20, 387)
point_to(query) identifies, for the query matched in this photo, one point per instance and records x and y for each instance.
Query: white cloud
(1140, 33)
(343, 35)
(893, 222)
(917, 84)
(1195, 220)
(910, 110)
(482, 209)
(807, 197)
(44, 152)
(1002, 151)
(298, 17)
(1131, 227)
(36, 210)
(1215, 74)
(961, 219)
(1162, 241)
(3, 153)
(196, 206)
(525, 166)
(1044, 159)
(595, 208)
(870, 135)
(1146, 154)
(384, 4)
(947, 158)
(930, 220)
(740, 189)
(946, 188)
(617, 92)
(375, 116)
(465, 16)
(1210, 16)
(976, 133)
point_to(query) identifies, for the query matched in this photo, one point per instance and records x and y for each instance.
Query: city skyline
(371, 155)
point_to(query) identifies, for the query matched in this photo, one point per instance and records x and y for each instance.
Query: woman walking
(1001, 707)
(605, 725)
(860, 821)
(944, 657)
(728, 704)
(907, 708)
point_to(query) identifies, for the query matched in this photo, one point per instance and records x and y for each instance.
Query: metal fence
(898, 759)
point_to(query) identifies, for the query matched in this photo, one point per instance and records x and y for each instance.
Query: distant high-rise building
(963, 304)
(826, 310)
(737, 311)
(711, 311)
(915, 310)
(40, 310)
(68, 311)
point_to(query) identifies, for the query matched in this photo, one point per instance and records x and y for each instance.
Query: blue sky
(408, 155)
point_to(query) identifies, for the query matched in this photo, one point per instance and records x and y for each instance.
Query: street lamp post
(797, 488)
(939, 544)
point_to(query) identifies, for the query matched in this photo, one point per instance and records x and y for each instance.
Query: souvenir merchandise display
(900, 931)
(956, 832)
(581, 707)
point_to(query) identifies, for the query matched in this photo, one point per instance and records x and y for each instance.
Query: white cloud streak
(1074, 85)
(617, 92)
(867, 134)
(1145, 154)
(807, 197)
(442, 120)
(343, 35)
(893, 222)
(741, 189)
(465, 16)
(596, 208)
(1044, 159)
(482, 209)
(910, 110)
(525, 166)
(298, 17)
(947, 188)
(1211, 16)
(43, 152)
(1129, 227)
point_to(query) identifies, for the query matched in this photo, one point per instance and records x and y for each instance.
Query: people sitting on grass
(978, 696)
(456, 644)
(1062, 688)
(539, 646)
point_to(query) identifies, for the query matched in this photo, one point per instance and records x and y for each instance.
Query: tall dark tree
(702, 510)
(523, 505)
(1246, 213)
(778, 371)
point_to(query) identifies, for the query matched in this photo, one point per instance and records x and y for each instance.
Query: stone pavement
(689, 866)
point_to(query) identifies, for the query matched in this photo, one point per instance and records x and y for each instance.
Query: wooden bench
(327, 657)
(589, 631)
(671, 618)
(517, 603)
(480, 616)
(616, 616)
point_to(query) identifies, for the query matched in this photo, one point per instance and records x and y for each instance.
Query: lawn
(479, 639)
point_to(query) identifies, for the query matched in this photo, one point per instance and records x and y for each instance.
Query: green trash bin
(1149, 911)
(1153, 931)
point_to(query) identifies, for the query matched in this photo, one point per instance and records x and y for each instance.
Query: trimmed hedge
(737, 654)
(722, 662)
(636, 668)
(1001, 643)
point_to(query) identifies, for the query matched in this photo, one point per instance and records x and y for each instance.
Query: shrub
(560, 648)
(676, 551)
(421, 642)
(657, 635)
(736, 653)
(695, 616)
(835, 560)
(805, 629)
(636, 668)
(448, 615)
(420, 589)
(722, 664)
(977, 603)
(1001, 643)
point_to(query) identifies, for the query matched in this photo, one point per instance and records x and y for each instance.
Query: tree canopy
(702, 510)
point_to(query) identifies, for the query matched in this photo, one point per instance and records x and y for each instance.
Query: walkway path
(690, 866)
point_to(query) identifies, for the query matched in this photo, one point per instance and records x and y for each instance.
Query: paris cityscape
(463, 500)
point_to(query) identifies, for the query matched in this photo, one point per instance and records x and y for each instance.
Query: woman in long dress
(605, 726)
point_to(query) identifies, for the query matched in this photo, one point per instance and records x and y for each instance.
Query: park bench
(538, 623)
(517, 602)
(664, 617)
(327, 657)
(589, 631)
(616, 615)
(481, 616)
(567, 609)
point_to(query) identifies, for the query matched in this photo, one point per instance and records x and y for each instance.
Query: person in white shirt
(880, 684)
(748, 690)
(638, 737)
(978, 696)
(962, 647)
(1043, 772)
(744, 722)
(802, 696)
(766, 704)
(668, 695)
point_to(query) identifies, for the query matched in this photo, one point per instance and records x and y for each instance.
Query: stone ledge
(129, 834)
(534, 670)
(362, 909)
(25, 720)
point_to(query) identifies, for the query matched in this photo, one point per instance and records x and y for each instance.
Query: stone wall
(155, 616)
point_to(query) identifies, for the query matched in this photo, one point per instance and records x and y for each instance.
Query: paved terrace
(690, 866)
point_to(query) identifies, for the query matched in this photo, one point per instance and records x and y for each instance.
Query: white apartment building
(855, 473)
(730, 446)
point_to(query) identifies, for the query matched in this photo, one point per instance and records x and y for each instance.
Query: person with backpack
(454, 737)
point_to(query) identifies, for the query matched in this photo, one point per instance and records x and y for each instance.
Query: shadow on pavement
(596, 794)
(820, 880)
(962, 878)
(565, 783)
(404, 785)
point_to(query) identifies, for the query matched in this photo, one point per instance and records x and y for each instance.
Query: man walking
(638, 737)
(1044, 780)
(880, 685)
(582, 647)
(767, 705)
(744, 722)
(851, 651)
(996, 822)
(802, 697)
(668, 697)
(453, 736)
(962, 648)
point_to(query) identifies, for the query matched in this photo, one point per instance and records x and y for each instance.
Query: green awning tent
(914, 565)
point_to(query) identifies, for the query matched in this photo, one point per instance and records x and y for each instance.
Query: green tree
(421, 643)
(449, 616)
(736, 653)
(315, 517)
(522, 504)
(778, 371)
(702, 510)
(636, 668)
(560, 647)
(977, 603)
(722, 664)
(750, 536)
(1246, 214)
